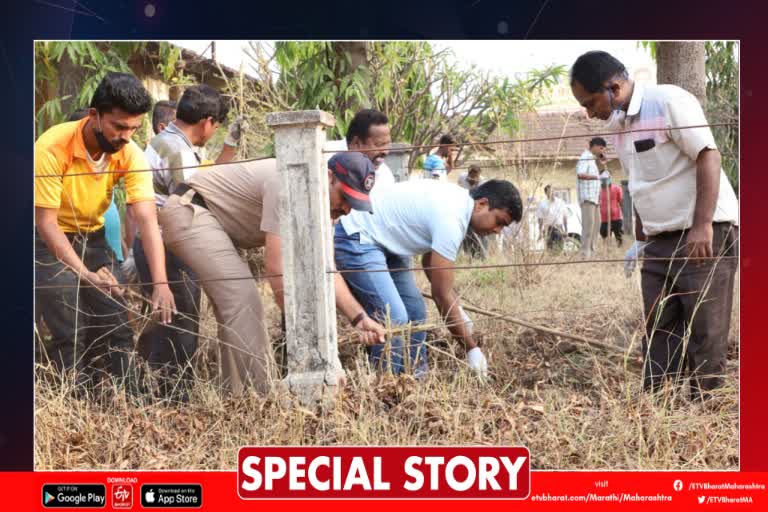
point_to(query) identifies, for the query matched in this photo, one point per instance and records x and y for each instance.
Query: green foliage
(650, 46)
(722, 71)
(85, 64)
(90, 63)
(722, 75)
(423, 92)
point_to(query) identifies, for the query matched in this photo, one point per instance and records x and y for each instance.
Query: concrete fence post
(307, 254)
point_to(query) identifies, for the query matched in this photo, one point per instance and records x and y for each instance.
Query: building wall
(545, 124)
(156, 87)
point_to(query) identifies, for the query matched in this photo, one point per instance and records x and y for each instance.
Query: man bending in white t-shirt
(427, 218)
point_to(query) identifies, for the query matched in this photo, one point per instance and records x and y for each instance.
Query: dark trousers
(688, 310)
(617, 228)
(89, 328)
(171, 346)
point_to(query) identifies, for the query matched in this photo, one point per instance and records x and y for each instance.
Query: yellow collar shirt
(661, 162)
(82, 200)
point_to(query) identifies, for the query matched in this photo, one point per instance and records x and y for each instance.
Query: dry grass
(575, 408)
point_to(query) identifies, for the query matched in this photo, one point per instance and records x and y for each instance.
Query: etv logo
(122, 496)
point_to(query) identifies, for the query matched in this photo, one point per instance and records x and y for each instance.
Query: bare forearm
(448, 304)
(153, 247)
(58, 243)
(130, 227)
(227, 154)
(707, 186)
(273, 266)
(345, 301)
(276, 283)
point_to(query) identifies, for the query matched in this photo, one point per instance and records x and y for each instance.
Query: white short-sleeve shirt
(551, 212)
(662, 161)
(411, 218)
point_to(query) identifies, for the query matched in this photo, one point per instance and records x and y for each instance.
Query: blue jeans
(377, 290)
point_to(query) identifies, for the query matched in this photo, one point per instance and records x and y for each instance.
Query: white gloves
(630, 259)
(128, 268)
(235, 133)
(477, 362)
(475, 357)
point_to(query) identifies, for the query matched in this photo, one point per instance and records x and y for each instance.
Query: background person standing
(588, 188)
(553, 219)
(614, 198)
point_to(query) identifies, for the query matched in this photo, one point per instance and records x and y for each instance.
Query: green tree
(68, 72)
(424, 92)
(721, 69)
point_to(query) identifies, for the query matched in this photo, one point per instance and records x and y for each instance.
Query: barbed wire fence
(391, 331)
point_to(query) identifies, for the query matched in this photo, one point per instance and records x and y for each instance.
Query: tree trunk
(358, 53)
(682, 64)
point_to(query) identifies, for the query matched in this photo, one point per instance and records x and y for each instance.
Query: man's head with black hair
(200, 112)
(473, 175)
(116, 111)
(601, 84)
(121, 91)
(597, 146)
(497, 204)
(447, 147)
(447, 139)
(368, 133)
(163, 114)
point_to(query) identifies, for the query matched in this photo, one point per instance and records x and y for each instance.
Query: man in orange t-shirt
(77, 165)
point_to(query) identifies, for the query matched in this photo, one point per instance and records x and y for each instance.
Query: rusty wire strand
(392, 151)
(400, 269)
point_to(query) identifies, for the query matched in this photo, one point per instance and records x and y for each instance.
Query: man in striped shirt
(588, 188)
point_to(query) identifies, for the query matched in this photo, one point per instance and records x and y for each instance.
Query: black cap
(357, 176)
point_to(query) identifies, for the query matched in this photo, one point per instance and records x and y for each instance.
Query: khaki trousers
(196, 237)
(590, 226)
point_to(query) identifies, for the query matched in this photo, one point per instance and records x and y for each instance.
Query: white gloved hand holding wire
(477, 362)
(128, 268)
(635, 251)
(235, 131)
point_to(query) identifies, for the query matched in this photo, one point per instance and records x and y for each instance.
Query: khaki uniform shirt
(244, 197)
